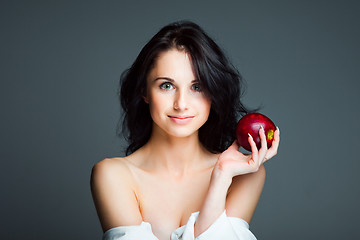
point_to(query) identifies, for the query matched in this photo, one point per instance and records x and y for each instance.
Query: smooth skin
(173, 175)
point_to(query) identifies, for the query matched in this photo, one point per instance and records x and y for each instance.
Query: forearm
(214, 204)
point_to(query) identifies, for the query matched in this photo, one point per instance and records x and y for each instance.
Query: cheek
(204, 106)
(206, 102)
(157, 103)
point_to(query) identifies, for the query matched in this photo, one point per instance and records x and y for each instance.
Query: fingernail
(249, 135)
(278, 129)
(262, 128)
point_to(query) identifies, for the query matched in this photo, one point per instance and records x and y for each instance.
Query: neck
(173, 155)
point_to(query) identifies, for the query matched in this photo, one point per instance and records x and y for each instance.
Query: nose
(181, 101)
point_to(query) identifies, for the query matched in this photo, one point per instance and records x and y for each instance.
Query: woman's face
(178, 106)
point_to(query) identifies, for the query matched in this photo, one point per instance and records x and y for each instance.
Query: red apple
(250, 123)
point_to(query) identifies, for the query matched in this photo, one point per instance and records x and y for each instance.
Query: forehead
(174, 64)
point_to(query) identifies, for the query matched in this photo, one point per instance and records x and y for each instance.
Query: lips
(181, 119)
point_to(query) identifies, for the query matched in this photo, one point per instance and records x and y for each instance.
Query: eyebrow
(172, 80)
(164, 78)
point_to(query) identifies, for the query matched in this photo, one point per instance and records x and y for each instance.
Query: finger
(254, 150)
(234, 145)
(243, 167)
(232, 151)
(263, 149)
(274, 145)
(277, 134)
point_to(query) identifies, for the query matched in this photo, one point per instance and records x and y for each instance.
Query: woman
(183, 176)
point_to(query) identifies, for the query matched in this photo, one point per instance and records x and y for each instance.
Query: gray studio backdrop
(60, 63)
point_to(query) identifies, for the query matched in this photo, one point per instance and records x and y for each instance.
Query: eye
(196, 87)
(166, 86)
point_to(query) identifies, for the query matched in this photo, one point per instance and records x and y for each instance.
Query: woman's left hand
(229, 164)
(233, 163)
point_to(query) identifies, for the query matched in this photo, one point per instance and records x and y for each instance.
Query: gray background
(60, 64)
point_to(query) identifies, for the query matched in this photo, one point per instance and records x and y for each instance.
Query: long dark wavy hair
(218, 78)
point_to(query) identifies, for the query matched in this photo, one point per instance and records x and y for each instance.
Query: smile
(181, 119)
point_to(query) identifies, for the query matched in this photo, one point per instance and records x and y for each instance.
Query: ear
(146, 100)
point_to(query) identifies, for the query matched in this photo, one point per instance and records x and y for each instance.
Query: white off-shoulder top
(224, 228)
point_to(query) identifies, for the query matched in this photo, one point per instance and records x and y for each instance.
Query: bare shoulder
(114, 168)
(244, 194)
(114, 195)
(113, 171)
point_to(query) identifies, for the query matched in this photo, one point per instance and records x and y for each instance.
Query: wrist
(220, 177)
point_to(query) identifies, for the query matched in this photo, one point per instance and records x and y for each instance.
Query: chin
(182, 133)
